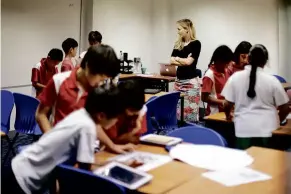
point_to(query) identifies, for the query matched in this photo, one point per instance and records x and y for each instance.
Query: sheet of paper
(211, 157)
(236, 176)
(289, 116)
(149, 160)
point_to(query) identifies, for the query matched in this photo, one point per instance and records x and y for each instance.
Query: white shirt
(256, 117)
(34, 164)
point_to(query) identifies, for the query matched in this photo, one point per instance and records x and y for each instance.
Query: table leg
(167, 86)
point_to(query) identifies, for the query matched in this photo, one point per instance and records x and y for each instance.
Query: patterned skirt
(191, 89)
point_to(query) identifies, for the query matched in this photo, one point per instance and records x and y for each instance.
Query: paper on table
(211, 157)
(236, 176)
(289, 116)
(149, 160)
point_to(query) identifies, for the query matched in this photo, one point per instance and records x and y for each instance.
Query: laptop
(167, 70)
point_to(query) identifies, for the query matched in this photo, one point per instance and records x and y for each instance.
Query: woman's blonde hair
(187, 25)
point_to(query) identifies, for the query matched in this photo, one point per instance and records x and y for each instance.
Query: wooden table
(166, 177)
(151, 80)
(179, 178)
(286, 85)
(220, 117)
(268, 161)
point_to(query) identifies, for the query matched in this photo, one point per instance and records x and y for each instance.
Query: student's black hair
(104, 99)
(101, 59)
(94, 36)
(132, 92)
(242, 48)
(222, 54)
(258, 57)
(55, 54)
(68, 44)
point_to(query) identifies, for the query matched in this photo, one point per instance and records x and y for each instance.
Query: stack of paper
(211, 157)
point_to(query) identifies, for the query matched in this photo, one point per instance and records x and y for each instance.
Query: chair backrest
(281, 79)
(7, 103)
(25, 114)
(74, 180)
(199, 135)
(162, 113)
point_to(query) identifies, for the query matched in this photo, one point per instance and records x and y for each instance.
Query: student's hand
(230, 117)
(122, 149)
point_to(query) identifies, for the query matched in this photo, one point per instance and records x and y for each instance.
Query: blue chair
(199, 135)
(7, 103)
(281, 79)
(74, 180)
(162, 113)
(25, 122)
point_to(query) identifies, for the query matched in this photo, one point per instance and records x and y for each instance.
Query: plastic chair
(25, 122)
(162, 113)
(74, 180)
(281, 79)
(7, 103)
(199, 135)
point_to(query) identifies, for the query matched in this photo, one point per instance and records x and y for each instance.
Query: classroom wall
(143, 25)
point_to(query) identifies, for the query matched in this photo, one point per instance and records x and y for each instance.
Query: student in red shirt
(68, 91)
(215, 79)
(69, 46)
(43, 71)
(132, 124)
(241, 54)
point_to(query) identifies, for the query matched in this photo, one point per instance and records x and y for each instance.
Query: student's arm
(281, 100)
(119, 149)
(35, 79)
(47, 100)
(228, 107)
(206, 91)
(283, 112)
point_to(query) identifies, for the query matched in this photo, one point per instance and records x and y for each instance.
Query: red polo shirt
(41, 74)
(213, 83)
(67, 65)
(231, 69)
(63, 95)
(127, 124)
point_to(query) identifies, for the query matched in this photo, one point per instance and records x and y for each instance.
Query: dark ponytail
(258, 58)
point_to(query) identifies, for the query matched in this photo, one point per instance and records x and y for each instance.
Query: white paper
(149, 160)
(236, 176)
(289, 116)
(211, 157)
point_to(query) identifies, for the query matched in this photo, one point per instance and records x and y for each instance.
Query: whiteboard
(30, 29)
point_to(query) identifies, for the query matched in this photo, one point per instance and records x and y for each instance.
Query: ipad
(160, 139)
(124, 175)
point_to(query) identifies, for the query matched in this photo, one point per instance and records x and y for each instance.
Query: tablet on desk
(124, 175)
(160, 139)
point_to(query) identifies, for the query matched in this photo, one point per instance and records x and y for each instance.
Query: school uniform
(231, 69)
(67, 65)
(255, 118)
(41, 74)
(75, 135)
(63, 95)
(213, 83)
(126, 125)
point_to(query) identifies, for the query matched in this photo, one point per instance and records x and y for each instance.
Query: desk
(220, 117)
(151, 81)
(166, 177)
(269, 161)
(286, 85)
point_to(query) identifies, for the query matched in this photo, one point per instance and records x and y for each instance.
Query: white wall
(140, 26)
(30, 29)
(126, 25)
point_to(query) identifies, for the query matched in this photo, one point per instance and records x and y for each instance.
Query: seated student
(69, 46)
(215, 78)
(256, 96)
(43, 71)
(31, 169)
(68, 91)
(132, 124)
(240, 57)
(94, 38)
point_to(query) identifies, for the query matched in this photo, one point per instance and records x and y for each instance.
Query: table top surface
(220, 117)
(178, 178)
(147, 76)
(286, 85)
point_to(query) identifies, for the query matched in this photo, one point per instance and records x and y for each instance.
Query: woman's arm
(228, 107)
(283, 112)
(205, 97)
(182, 61)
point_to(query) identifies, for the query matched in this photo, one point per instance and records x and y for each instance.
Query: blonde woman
(185, 55)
